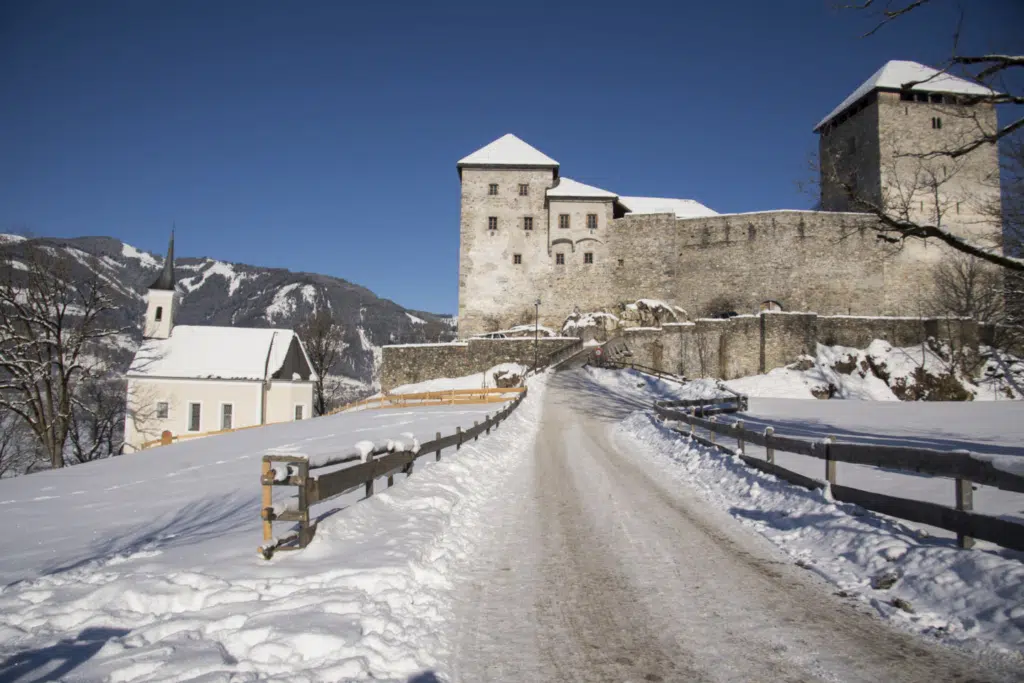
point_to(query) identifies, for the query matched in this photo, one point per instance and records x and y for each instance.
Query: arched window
(159, 313)
(770, 305)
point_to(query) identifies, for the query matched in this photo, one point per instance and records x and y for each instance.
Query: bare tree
(933, 172)
(966, 287)
(97, 422)
(322, 337)
(16, 456)
(49, 324)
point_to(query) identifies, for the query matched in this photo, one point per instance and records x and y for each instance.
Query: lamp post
(536, 329)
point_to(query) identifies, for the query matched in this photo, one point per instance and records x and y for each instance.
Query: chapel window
(194, 416)
(159, 313)
(227, 420)
(162, 410)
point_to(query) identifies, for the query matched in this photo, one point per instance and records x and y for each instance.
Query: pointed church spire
(166, 279)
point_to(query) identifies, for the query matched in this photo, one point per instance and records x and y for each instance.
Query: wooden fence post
(712, 419)
(391, 480)
(739, 437)
(965, 502)
(475, 436)
(830, 464)
(369, 488)
(267, 502)
(439, 448)
(458, 432)
(769, 449)
(487, 421)
(305, 530)
(166, 438)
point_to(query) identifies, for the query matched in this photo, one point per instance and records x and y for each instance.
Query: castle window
(751, 231)
(517, 259)
(622, 261)
(563, 220)
(560, 259)
(162, 410)
(492, 222)
(906, 96)
(492, 188)
(851, 146)
(159, 313)
(524, 189)
(527, 222)
(592, 221)
(588, 257)
(936, 122)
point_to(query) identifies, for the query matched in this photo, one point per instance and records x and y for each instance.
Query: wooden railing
(960, 466)
(167, 438)
(379, 463)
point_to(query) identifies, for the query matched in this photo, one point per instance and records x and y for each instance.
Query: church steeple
(161, 300)
(165, 280)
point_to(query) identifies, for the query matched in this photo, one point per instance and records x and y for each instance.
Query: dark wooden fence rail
(312, 490)
(960, 466)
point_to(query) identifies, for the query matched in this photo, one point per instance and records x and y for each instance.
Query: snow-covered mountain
(220, 293)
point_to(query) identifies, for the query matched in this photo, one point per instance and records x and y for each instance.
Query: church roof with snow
(240, 353)
(508, 150)
(569, 188)
(894, 74)
(682, 208)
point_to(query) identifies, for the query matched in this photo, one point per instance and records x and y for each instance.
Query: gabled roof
(201, 352)
(682, 208)
(508, 150)
(895, 73)
(569, 188)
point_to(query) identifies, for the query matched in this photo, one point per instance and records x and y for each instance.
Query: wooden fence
(960, 466)
(379, 463)
(435, 398)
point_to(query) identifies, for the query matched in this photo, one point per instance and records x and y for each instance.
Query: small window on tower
(592, 221)
(524, 189)
(563, 220)
(517, 259)
(560, 259)
(492, 222)
(622, 261)
(527, 222)
(492, 188)
(588, 257)
(159, 313)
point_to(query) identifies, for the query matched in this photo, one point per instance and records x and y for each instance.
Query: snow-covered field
(144, 567)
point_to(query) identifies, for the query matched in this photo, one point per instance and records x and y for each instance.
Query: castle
(527, 233)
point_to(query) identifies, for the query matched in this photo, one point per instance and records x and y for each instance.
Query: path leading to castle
(598, 568)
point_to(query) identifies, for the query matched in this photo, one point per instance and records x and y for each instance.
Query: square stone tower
(878, 149)
(503, 248)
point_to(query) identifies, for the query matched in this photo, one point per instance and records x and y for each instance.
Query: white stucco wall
(282, 397)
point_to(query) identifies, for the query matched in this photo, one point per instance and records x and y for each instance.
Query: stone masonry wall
(748, 345)
(408, 364)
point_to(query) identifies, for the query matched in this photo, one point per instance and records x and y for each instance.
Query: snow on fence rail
(397, 457)
(963, 467)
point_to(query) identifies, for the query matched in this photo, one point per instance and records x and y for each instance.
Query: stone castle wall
(750, 345)
(827, 262)
(411, 363)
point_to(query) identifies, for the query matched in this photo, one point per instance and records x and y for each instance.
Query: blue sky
(323, 136)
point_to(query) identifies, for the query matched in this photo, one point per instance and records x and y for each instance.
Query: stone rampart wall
(748, 345)
(408, 364)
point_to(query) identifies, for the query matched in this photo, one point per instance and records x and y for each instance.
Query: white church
(196, 379)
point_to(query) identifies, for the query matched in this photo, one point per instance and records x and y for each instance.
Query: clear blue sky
(323, 136)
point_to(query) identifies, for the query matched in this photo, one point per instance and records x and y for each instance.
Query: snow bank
(479, 380)
(365, 601)
(954, 595)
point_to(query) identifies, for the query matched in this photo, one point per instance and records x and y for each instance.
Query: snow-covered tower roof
(895, 74)
(508, 150)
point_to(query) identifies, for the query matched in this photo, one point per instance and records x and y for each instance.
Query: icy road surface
(600, 568)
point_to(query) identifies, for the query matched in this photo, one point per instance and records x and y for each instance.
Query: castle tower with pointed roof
(881, 147)
(161, 300)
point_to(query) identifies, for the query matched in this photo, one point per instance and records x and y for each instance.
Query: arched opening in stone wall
(770, 305)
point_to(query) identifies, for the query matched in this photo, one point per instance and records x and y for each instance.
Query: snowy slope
(148, 562)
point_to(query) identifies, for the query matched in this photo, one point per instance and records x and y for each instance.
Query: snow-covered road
(599, 567)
